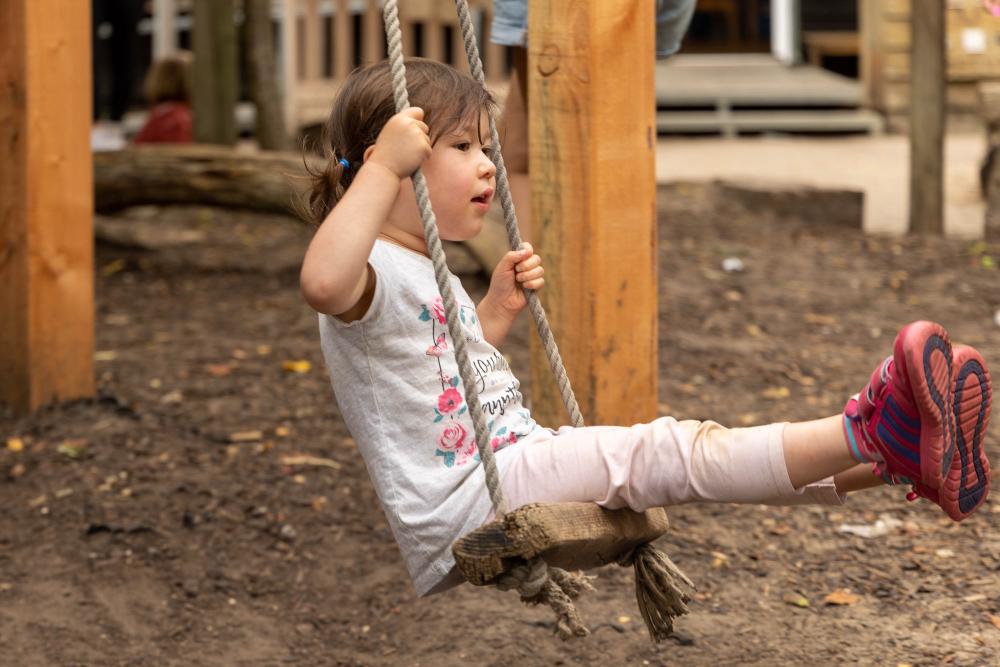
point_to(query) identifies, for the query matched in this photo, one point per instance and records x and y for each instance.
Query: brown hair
(168, 80)
(449, 98)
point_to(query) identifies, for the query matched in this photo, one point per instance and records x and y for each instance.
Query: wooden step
(731, 123)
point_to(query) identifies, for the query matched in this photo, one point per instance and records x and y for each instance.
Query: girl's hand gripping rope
(518, 268)
(403, 144)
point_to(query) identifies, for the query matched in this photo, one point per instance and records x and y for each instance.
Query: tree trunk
(271, 134)
(990, 175)
(272, 181)
(214, 72)
(927, 117)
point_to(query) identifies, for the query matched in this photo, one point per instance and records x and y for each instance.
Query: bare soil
(172, 520)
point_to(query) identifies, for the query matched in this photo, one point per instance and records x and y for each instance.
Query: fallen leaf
(795, 600)
(15, 444)
(263, 350)
(754, 330)
(944, 553)
(72, 448)
(816, 318)
(842, 596)
(306, 460)
(245, 436)
(776, 393)
(719, 559)
(239, 354)
(105, 355)
(219, 370)
(172, 397)
(995, 620)
(299, 366)
(112, 267)
(749, 419)
(624, 619)
(282, 431)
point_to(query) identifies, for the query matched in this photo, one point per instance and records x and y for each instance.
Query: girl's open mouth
(485, 198)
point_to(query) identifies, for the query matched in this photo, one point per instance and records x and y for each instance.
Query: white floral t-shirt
(396, 381)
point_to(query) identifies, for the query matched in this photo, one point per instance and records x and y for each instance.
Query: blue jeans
(510, 24)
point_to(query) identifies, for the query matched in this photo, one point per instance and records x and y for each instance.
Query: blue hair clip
(344, 163)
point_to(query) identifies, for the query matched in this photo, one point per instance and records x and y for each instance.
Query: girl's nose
(486, 168)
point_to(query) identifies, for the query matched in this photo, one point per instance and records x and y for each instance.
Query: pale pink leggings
(665, 462)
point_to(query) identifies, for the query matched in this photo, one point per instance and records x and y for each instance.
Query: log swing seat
(535, 549)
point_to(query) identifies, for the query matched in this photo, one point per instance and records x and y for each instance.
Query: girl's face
(461, 179)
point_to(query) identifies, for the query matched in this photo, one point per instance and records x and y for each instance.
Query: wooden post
(927, 117)
(312, 41)
(289, 63)
(592, 143)
(46, 203)
(373, 48)
(215, 73)
(343, 54)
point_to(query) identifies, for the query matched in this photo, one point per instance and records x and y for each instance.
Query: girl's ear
(368, 152)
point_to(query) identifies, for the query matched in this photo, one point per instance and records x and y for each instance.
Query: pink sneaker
(967, 483)
(918, 411)
(904, 413)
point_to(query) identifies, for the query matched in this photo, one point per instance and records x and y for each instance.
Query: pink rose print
(452, 439)
(449, 400)
(437, 310)
(499, 441)
(438, 348)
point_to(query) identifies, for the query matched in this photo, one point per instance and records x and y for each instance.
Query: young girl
(920, 420)
(168, 91)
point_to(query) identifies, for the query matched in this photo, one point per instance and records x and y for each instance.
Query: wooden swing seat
(571, 536)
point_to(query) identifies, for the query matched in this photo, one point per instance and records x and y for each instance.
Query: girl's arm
(335, 276)
(505, 299)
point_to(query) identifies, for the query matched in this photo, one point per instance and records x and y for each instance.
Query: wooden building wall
(973, 44)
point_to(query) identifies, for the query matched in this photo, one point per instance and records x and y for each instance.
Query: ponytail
(327, 186)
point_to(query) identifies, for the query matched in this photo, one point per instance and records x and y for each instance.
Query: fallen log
(204, 175)
(268, 181)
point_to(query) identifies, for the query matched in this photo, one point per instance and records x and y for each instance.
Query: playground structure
(591, 83)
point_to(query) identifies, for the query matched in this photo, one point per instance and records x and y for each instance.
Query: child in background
(168, 91)
(920, 420)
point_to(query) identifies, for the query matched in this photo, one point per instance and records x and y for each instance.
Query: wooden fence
(326, 39)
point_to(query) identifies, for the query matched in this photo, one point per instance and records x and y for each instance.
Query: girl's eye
(463, 146)
(488, 150)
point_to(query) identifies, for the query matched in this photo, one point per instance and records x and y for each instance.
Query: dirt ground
(173, 521)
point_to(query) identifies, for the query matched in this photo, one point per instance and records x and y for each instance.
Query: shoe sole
(924, 350)
(967, 482)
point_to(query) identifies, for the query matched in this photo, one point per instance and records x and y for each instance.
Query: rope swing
(660, 585)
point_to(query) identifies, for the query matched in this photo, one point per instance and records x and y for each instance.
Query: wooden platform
(730, 94)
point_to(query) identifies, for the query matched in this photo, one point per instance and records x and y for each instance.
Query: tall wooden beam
(928, 90)
(592, 144)
(46, 203)
(215, 77)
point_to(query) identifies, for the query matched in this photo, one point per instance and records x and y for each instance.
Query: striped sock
(860, 449)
